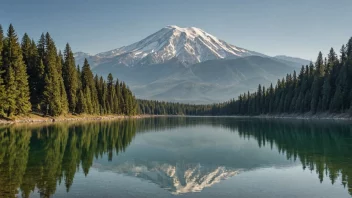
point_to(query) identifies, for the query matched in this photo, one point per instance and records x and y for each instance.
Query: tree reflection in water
(38, 158)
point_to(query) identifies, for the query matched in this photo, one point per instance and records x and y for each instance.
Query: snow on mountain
(189, 45)
(178, 179)
(81, 54)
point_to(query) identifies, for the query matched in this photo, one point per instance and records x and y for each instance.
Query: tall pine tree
(64, 102)
(70, 77)
(35, 70)
(89, 89)
(52, 93)
(16, 80)
(317, 83)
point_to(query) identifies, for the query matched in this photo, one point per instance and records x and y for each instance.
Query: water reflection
(38, 158)
(178, 179)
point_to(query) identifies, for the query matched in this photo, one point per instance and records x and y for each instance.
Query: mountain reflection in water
(40, 158)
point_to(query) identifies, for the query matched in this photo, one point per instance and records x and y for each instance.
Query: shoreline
(305, 116)
(32, 118)
(309, 116)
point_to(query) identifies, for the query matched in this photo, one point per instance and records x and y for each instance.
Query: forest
(325, 86)
(35, 77)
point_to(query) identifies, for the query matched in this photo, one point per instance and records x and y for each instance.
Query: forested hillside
(325, 86)
(36, 77)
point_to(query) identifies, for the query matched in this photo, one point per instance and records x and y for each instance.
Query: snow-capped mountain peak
(189, 45)
(178, 178)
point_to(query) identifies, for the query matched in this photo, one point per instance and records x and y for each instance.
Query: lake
(178, 157)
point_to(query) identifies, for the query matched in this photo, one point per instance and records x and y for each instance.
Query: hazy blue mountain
(206, 82)
(296, 60)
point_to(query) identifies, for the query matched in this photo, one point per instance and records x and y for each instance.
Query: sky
(299, 28)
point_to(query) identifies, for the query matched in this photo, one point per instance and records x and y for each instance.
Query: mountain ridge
(190, 45)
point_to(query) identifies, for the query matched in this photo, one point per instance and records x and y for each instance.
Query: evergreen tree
(52, 92)
(100, 84)
(70, 77)
(1, 44)
(41, 47)
(118, 99)
(16, 83)
(2, 96)
(63, 95)
(35, 70)
(349, 49)
(89, 88)
(81, 103)
(110, 93)
(326, 92)
(9, 104)
(88, 100)
(2, 86)
(316, 86)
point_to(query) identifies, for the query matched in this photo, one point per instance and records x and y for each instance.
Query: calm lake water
(178, 157)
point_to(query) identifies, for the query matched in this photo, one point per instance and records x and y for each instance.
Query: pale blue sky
(297, 28)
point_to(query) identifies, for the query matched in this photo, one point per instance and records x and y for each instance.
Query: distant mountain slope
(299, 61)
(207, 82)
(241, 69)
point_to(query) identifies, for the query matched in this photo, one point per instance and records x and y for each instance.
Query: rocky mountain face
(189, 45)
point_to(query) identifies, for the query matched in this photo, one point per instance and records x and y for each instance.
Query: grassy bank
(34, 118)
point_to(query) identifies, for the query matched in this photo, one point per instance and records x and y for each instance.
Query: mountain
(189, 65)
(293, 59)
(178, 178)
(189, 45)
(80, 56)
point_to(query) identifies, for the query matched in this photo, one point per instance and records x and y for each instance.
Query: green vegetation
(38, 78)
(325, 86)
(154, 107)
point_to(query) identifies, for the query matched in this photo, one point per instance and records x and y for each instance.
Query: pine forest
(35, 77)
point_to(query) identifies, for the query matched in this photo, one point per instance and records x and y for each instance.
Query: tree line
(154, 107)
(325, 86)
(36, 77)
